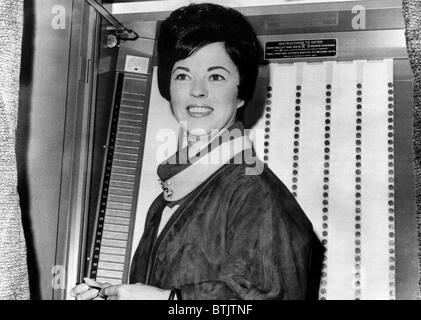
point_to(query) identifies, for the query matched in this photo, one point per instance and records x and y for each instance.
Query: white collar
(181, 184)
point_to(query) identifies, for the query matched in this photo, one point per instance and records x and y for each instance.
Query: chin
(197, 128)
(201, 127)
(199, 131)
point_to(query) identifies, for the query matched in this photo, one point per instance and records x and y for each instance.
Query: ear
(240, 103)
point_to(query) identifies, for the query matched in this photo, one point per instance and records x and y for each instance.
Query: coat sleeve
(267, 250)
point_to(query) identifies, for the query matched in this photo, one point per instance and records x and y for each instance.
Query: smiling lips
(197, 111)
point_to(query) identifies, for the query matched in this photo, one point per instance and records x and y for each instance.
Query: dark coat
(236, 236)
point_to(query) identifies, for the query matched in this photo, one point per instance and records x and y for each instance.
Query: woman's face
(204, 90)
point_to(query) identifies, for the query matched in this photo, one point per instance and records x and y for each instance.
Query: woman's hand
(136, 291)
(85, 291)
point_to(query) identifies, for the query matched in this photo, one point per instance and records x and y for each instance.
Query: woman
(224, 229)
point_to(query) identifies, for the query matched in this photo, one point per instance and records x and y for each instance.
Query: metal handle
(121, 31)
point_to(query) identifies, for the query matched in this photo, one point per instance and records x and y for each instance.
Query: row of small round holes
(358, 127)
(391, 203)
(267, 115)
(296, 140)
(325, 201)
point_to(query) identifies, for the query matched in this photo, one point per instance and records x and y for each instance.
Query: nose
(198, 88)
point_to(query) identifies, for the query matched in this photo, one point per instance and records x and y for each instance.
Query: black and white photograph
(210, 150)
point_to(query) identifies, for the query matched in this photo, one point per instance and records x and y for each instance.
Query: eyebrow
(218, 67)
(182, 68)
(209, 69)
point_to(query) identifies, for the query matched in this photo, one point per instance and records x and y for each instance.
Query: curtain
(412, 18)
(13, 266)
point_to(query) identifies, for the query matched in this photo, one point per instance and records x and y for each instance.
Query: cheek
(179, 89)
(176, 100)
(229, 98)
(176, 109)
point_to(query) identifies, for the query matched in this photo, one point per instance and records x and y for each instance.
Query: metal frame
(121, 31)
(159, 10)
(77, 146)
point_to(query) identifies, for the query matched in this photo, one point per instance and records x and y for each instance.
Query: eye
(181, 76)
(216, 77)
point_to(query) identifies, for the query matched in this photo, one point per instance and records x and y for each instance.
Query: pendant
(167, 188)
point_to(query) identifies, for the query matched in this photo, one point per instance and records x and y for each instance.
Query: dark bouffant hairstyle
(192, 27)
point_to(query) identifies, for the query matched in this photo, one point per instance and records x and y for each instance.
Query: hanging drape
(412, 17)
(13, 267)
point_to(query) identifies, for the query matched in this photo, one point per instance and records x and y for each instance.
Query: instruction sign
(300, 49)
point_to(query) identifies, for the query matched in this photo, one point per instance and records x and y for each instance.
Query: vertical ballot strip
(375, 195)
(282, 91)
(357, 186)
(340, 249)
(110, 257)
(326, 175)
(267, 117)
(297, 125)
(391, 179)
(312, 129)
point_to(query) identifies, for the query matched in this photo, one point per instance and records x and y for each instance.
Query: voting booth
(331, 117)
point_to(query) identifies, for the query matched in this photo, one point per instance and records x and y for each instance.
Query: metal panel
(77, 147)
(159, 10)
(40, 134)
